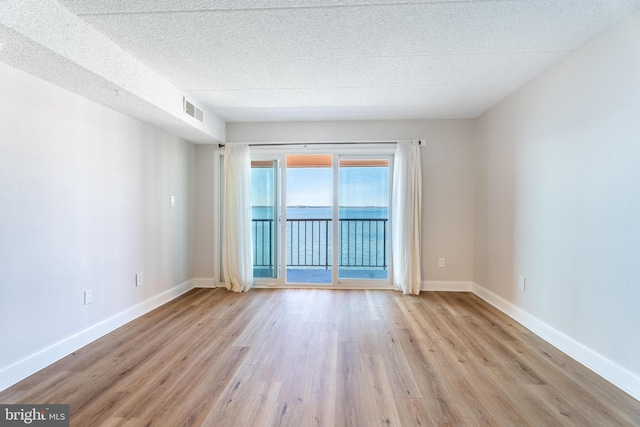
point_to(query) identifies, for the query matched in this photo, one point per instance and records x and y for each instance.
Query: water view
(362, 246)
(322, 212)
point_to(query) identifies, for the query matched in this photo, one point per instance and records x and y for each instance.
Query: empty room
(320, 213)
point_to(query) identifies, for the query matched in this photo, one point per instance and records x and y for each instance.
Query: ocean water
(363, 234)
(311, 212)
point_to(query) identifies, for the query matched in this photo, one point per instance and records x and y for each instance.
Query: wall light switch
(522, 281)
(88, 297)
(173, 200)
(139, 279)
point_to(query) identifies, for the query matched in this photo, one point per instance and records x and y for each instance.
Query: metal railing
(362, 243)
(262, 230)
(309, 242)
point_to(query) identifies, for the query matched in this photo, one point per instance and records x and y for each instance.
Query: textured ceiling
(44, 38)
(263, 60)
(283, 60)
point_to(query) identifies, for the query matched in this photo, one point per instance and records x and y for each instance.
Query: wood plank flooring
(325, 358)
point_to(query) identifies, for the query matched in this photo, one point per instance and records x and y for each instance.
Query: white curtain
(406, 201)
(237, 244)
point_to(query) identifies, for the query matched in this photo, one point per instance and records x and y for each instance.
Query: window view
(265, 213)
(315, 241)
(309, 218)
(363, 219)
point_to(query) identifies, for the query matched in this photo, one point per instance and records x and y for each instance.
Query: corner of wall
(31, 364)
(606, 368)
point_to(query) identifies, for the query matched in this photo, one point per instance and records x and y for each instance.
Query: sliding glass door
(321, 218)
(363, 218)
(309, 233)
(265, 217)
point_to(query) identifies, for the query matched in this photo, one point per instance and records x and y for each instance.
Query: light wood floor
(325, 358)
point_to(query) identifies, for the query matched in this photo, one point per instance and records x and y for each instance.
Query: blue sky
(360, 186)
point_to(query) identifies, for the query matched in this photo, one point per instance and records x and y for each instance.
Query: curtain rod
(319, 143)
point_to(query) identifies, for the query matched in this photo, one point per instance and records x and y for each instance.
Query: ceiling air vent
(192, 110)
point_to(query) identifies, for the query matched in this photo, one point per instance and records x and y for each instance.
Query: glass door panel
(363, 219)
(309, 228)
(265, 214)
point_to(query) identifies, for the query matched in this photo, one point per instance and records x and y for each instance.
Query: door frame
(262, 151)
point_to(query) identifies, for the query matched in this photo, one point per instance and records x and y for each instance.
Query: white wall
(204, 214)
(85, 204)
(558, 199)
(448, 179)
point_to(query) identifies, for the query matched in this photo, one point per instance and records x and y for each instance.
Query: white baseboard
(31, 364)
(204, 282)
(606, 368)
(451, 286)
(448, 286)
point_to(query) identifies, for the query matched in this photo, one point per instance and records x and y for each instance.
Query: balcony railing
(362, 243)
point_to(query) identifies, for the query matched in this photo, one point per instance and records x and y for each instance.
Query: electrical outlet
(522, 281)
(139, 279)
(88, 297)
(173, 200)
(441, 262)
